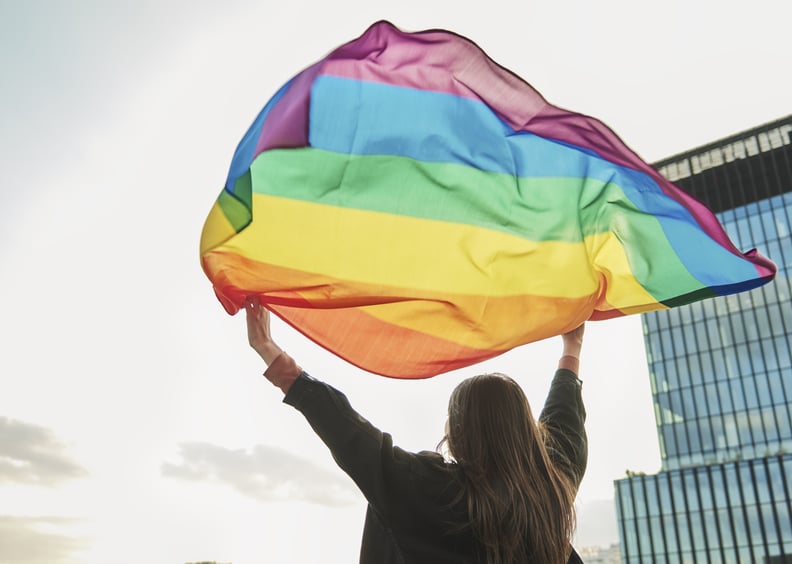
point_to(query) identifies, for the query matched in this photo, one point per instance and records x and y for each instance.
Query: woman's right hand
(573, 341)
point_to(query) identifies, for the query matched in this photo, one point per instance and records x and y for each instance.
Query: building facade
(721, 379)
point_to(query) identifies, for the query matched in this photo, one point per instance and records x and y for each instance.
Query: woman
(506, 498)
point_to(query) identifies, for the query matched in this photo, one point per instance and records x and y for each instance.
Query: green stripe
(237, 206)
(537, 209)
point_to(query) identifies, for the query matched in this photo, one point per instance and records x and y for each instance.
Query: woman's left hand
(258, 329)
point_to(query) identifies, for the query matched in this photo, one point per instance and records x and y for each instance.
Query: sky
(134, 421)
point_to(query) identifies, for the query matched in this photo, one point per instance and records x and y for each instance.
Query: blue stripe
(243, 156)
(371, 118)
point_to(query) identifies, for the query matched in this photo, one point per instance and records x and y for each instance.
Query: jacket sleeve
(364, 452)
(564, 417)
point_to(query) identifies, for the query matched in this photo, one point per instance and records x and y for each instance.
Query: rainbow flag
(414, 208)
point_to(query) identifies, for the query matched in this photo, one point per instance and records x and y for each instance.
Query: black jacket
(411, 495)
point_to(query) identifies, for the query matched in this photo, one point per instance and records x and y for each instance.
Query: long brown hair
(521, 507)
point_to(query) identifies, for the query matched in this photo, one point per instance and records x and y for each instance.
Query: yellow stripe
(388, 249)
(622, 290)
(216, 231)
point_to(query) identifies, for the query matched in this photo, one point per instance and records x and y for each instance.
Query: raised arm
(282, 371)
(564, 415)
(365, 453)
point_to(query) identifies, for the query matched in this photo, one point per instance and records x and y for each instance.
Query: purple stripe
(287, 124)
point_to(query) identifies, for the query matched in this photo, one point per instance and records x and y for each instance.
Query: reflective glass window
(650, 489)
(754, 524)
(657, 533)
(705, 434)
(665, 340)
(719, 365)
(624, 495)
(747, 483)
(662, 319)
(718, 487)
(654, 346)
(744, 358)
(725, 528)
(744, 233)
(678, 493)
(776, 321)
(737, 397)
(783, 420)
(782, 350)
(711, 528)
(759, 553)
(784, 522)
(738, 331)
(724, 397)
(683, 527)
(700, 399)
(680, 346)
(762, 322)
(660, 374)
(749, 389)
(704, 487)
(676, 404)
(663, 488)
(644, 542)
(732, 363)
(639, 502)
(701, 334)
(670, 533)
(744, 428)
(713, 331)
(767, 512)
(681, 438)
(669, 440)
(681, 376)
(763, 389)
(740, 529)
(631, 538)
(752, 332)
(696, 530)
(769, 355)
(692, 431)
(786, 250)
(756, 357)
(769, 424)
(780, 223)
(688, 403)
(691, 490)
(730, 431)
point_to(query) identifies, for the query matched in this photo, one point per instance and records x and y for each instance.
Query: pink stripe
(442, 61)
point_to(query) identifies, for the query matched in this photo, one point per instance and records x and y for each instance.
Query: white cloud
(37, 540)
(264, 473)
(30, 454)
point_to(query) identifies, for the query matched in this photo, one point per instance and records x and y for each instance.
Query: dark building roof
(740, 169)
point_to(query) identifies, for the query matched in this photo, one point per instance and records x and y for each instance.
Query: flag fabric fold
(414, 207)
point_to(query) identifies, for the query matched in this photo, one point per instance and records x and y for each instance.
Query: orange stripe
(372, 326)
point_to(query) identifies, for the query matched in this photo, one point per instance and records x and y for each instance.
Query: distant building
(598, 555)
(721, 379)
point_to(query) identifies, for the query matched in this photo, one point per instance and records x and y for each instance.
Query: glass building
(721, 379)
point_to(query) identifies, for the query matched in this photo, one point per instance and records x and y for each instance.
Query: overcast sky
(134, 422)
